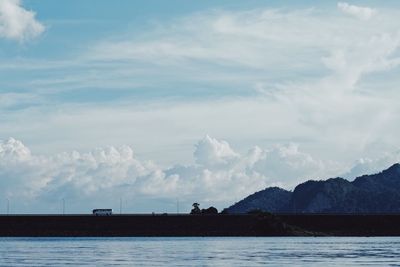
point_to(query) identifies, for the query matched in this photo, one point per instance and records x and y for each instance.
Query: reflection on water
(240, 251)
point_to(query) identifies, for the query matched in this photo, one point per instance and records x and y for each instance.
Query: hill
(377, 193)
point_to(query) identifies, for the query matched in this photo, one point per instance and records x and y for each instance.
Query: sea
(201, 251)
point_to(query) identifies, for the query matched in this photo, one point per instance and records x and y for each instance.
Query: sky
(150, 103)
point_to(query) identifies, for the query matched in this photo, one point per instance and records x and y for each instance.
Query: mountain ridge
(374, 193)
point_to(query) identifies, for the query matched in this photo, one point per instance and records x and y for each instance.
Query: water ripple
(241, 251)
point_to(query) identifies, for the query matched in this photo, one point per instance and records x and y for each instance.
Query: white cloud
(92, 178)
(211, 152)
(17, 23)
(363, 13)
(14, 150)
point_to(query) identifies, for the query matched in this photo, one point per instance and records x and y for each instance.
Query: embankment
(199, 225)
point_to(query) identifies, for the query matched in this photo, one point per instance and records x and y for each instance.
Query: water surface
(214, 251)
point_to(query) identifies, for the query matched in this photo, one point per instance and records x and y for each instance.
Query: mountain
(377, 193)
(271, 199)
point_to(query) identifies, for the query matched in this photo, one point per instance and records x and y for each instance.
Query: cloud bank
(102, 176)
(17, 23)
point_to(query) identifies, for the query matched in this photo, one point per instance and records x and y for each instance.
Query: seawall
(199, 225)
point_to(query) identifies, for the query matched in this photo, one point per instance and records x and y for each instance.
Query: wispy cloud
(268, 47)
(276, 43)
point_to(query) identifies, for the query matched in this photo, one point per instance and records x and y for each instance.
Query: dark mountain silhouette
(377, 193)
(272, 199)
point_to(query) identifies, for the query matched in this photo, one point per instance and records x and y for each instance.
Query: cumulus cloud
(363, 13)
(14, 150)
(211, 152)
(17, 23)
(92, 178)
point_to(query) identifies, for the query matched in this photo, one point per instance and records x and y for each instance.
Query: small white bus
(102, 212)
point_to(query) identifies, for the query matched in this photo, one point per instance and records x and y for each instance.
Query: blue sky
(205, 101)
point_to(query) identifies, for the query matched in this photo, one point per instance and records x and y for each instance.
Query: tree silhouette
(196, 209)
(210, 210)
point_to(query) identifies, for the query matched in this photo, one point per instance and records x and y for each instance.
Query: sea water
(197, 251)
